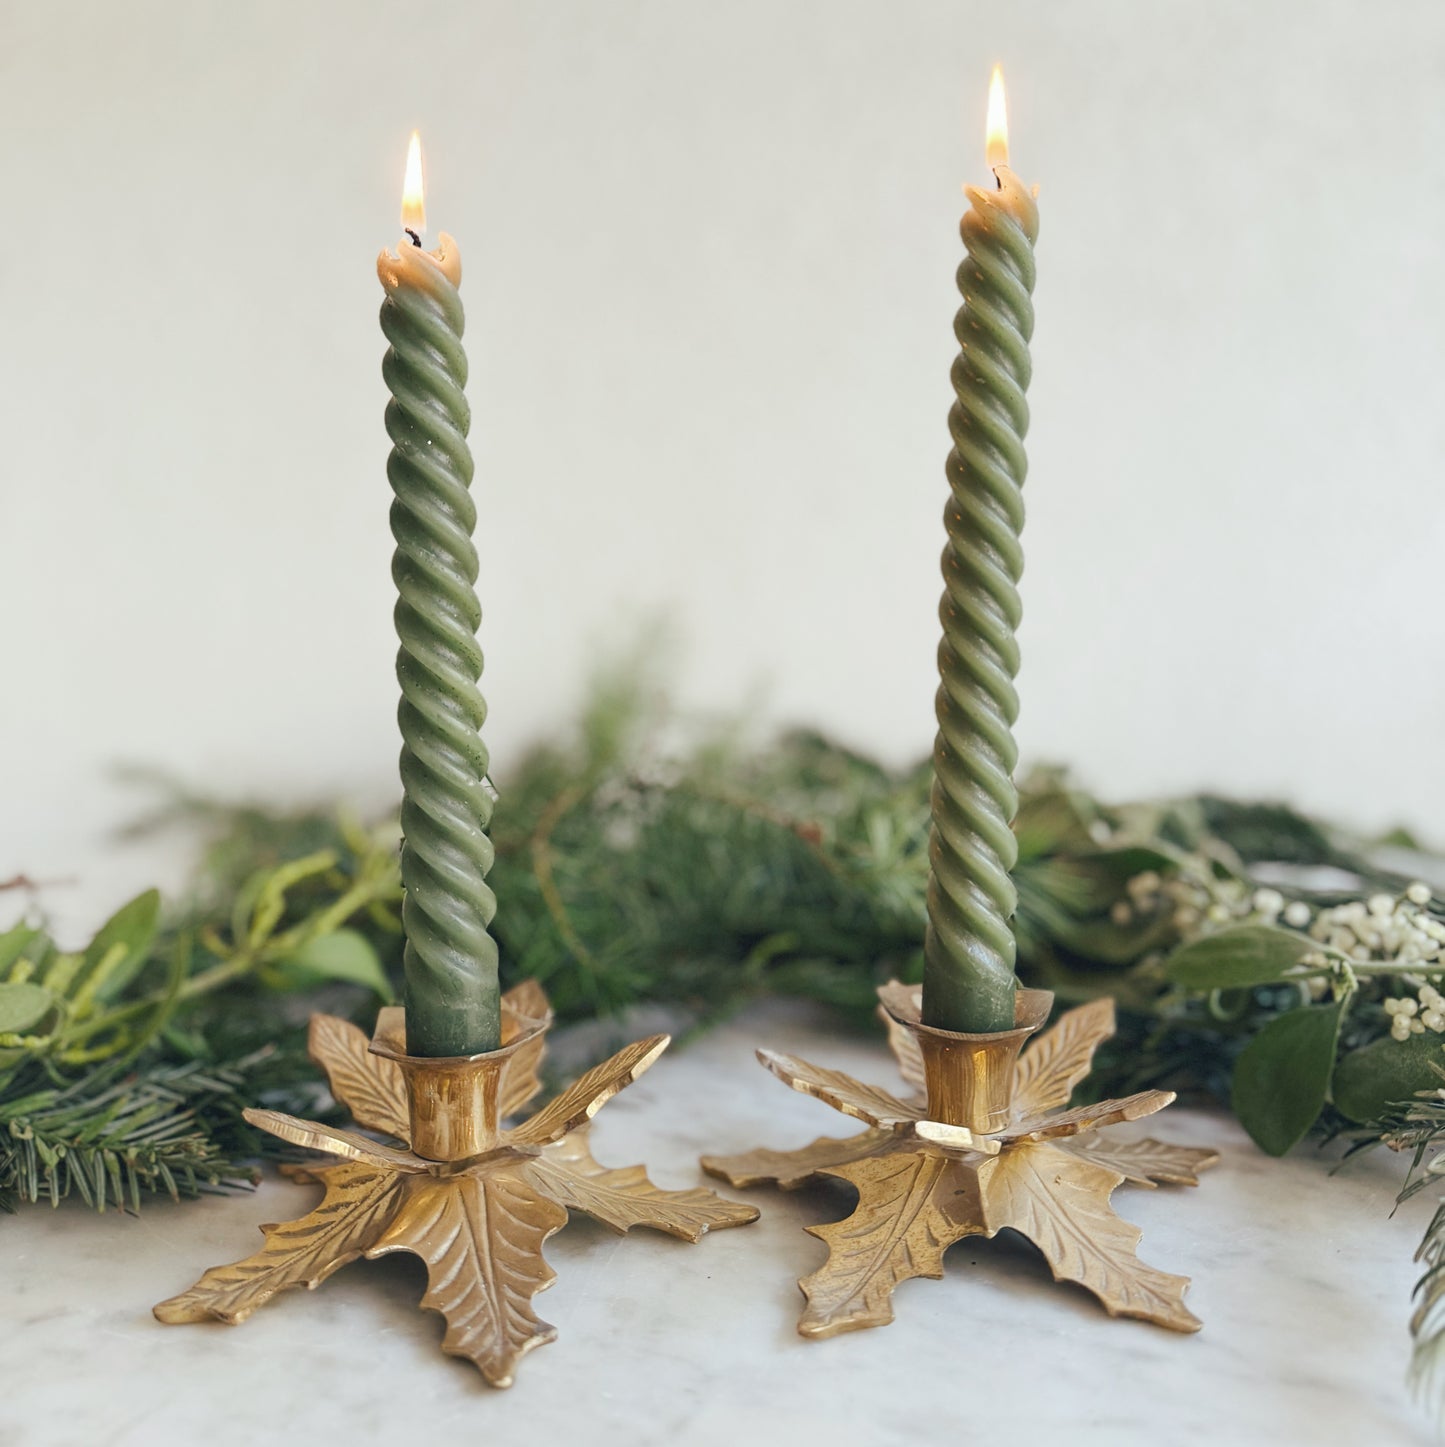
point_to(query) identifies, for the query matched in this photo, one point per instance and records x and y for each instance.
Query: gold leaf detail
(904, 1045)
(390, 1029)
(369, 1086)
(479, 1223)
(1054, 1063)
(904, 1001)
(303, 1252)
(520, 1079)
(912, 1205)
(334, 1140)
(587, 1095)
(1090, 1117)
(790, 1169)
(623, 1198)
(863, 1102)
(481, 1238)
(528, 1000)
(1061, 1203)
(526, 1007)
(1145, 1162)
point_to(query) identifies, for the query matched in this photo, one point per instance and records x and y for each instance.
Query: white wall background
(709, 260)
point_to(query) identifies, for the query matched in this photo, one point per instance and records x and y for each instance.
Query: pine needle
(112, 1137)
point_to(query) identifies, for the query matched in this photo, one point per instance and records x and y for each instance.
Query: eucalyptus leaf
(121, 946)
(270, 906)
(344, 954)
(23, 1006)
(1283, 1075)
(1370, 1080)
(14, 942)
(1247, 954)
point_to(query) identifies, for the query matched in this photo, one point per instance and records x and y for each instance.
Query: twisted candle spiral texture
(969, 944)
(452, 1005)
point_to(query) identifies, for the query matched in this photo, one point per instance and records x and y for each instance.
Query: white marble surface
(1302, 1281)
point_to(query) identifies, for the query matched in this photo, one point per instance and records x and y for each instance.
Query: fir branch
(1417, 1128)
(703, 879)
(1427, 1323)
(111, 1137)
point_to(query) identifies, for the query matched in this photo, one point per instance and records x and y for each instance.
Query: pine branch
(1427, 1324)
(111, 1137)
(702, 880)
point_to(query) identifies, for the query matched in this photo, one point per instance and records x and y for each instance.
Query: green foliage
(702, 880)
(1418, 1130)
(124, 1066)
(1272, 833)
(1377, 1080)
(112, 1136)
(1237, 958)
(343, 955)
(1283, 1075)
(23, 1006)
(1427, 1324)
(118, 952)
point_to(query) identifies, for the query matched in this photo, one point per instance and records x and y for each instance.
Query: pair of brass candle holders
(982, 1143)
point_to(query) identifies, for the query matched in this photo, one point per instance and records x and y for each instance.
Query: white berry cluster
(1402, 932)
(1414, 1017)
(1197, 901)
(1399, 930)
(1425, 943)
(1384, 928)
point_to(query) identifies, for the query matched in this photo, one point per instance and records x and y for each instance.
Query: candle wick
(415, 239)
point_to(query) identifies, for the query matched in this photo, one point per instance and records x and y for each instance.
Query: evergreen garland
(1238, 940)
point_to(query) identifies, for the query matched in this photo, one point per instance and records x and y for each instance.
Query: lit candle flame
(997, 146)
(413, 198)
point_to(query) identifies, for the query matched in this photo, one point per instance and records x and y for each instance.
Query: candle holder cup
(473, 1197)
(983, 1142)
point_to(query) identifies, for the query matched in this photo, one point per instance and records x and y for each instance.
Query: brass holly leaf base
(923, 1183)
(478, 1221)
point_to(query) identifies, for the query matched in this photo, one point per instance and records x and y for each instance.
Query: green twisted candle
(968, 973)
(452, 999)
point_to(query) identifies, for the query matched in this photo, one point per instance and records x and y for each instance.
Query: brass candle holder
(982, 1144)
(473, 1198)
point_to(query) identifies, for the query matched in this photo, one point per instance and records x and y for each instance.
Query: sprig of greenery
(1427, 1324)
(1417, 1129)
(626, 873)
(113, 1135)
(124, 1067)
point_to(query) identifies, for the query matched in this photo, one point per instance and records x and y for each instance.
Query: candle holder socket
(474, 1197)
(982, 1143)
(968, 1078)
(454, 1102)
